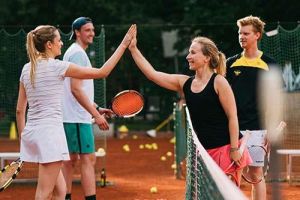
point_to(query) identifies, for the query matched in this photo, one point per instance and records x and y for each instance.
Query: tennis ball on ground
(141, 146)
(173, 140)
(126, 148)
(163, 158)
(153, 189)
(154, 146)
(134, 137)
(148, 146)
(169, 153)
(101, 150)
(173, 166)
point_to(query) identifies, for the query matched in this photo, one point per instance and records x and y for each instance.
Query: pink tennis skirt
(221, 155)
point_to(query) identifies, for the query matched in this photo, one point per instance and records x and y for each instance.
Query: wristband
(234, 149)
(97, 117)
(98, 107)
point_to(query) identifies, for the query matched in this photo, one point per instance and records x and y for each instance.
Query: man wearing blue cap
(78, 109)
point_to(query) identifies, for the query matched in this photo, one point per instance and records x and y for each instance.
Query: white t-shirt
(45, 98)
(73, 112)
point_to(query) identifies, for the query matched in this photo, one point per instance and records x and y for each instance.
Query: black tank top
(207, 114)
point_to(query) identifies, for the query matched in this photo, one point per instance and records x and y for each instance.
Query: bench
(290, 153)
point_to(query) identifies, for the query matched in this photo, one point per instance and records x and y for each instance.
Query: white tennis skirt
(44, 143)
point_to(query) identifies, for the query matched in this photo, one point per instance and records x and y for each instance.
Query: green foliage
(12, 59)
(215, 19)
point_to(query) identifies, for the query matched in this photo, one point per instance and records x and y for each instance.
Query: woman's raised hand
(133, 42)
(131, 33)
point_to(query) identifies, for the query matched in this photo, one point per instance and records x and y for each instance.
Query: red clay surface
(132, 173)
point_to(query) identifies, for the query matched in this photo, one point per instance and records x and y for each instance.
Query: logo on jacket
(237, 72)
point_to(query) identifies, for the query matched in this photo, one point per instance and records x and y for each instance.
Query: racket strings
(127, 104)
(247, 174)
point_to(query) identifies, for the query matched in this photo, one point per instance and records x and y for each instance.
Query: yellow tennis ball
(101, 150)
(126, 148)
(169, 153)
(154, 146)
(141, 146)
(163, 158)
(153, 189)
(173, 140)
(134, 137)
(148, 146)
(173, 166)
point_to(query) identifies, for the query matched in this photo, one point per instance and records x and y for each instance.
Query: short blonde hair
(257, 24)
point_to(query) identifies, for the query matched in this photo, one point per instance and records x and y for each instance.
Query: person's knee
(70, 163)
(88, 159)
(93, 160)
(256, 170)
(73, 160)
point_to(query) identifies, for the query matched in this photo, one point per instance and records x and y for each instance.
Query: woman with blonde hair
(42, 136)
(209, 99)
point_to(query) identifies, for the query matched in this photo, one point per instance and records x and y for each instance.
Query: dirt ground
(130, 174)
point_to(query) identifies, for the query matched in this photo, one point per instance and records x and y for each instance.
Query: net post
(180, 135)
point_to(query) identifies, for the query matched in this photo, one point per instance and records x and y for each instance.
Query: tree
(215, 19)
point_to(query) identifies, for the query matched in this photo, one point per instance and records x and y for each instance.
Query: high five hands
(130, 35)
(133, 42)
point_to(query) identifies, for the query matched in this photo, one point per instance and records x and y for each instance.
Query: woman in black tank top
(209, 98)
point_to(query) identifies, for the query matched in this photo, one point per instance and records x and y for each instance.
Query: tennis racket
(9, 173)
(126, 104)
(254, 178)
(231, 170)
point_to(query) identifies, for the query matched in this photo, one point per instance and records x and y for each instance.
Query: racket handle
(242, 148)
(106, 116)
(244, 142)
(281, 126)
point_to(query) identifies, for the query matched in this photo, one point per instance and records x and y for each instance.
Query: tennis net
(205, 180)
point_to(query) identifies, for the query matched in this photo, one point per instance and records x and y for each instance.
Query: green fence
(284, 46)
(13, 57)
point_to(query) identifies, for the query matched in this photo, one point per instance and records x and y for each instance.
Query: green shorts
(80, 138)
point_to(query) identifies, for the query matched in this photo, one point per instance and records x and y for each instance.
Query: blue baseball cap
(77, 24)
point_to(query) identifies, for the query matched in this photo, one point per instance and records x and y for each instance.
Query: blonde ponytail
(35, 45)
(221, 67)
(32, 55)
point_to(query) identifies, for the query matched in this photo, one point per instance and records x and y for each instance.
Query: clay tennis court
(131, 173)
